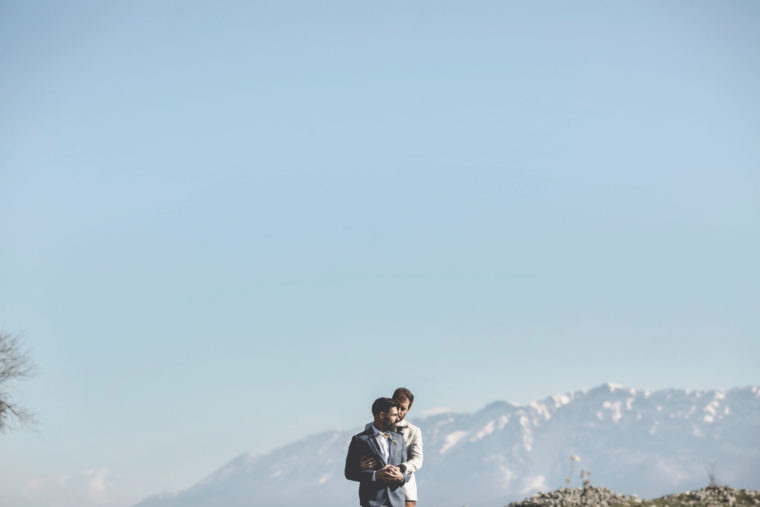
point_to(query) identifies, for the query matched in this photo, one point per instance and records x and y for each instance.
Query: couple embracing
(384, 457)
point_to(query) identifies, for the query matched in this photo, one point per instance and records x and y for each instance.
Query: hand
(368, 463)
(389, 473)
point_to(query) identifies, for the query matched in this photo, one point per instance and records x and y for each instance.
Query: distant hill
(631, 441)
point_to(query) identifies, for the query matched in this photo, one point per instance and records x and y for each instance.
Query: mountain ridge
(637, 441)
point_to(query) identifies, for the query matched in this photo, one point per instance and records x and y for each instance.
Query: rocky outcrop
(589, 495)
(711, 496)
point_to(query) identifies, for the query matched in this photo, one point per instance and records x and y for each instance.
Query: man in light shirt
(383, 485)
(413, 440)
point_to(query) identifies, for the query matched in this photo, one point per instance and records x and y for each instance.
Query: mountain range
(628, 440)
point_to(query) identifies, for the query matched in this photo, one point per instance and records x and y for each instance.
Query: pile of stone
(590, 495)
(711, 496)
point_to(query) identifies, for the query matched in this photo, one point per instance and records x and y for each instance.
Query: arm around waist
(414, 450)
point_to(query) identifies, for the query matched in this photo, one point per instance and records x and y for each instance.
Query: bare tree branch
(15, 364)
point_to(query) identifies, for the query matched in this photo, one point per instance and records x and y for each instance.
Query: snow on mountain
(632, 442)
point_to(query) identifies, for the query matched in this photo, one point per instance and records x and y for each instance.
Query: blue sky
(226, 227)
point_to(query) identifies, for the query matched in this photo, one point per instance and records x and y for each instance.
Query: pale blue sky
(226, 227)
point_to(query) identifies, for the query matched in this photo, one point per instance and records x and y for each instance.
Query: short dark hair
(403, 392)
(383, 405)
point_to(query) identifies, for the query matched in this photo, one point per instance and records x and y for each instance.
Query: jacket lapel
(375, 447)
(393, 450)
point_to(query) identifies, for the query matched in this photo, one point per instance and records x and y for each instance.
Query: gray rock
(711, 496)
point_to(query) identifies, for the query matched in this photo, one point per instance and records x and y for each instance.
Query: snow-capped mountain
(631, 441)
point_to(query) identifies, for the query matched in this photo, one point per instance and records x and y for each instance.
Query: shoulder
(413, 428)
(364, 434)
(413, 435)
(358, 441)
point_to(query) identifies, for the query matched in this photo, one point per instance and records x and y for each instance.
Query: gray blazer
(413, 440)
(376, 493)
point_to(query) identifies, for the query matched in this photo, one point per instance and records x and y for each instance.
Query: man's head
(405, 398)
(385, 412)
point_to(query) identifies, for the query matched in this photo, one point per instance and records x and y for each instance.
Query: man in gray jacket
(413, 441)
(381, 486)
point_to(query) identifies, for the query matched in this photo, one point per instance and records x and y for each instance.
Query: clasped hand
(389, 473)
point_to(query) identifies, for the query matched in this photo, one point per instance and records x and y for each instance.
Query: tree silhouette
(15, 364)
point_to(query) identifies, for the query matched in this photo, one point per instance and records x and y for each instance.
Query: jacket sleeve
(353, 469)
(414, 451)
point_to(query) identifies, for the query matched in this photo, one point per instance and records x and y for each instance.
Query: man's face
(403, 408)
(390, 419)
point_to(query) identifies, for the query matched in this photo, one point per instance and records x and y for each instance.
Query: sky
(226, 227)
